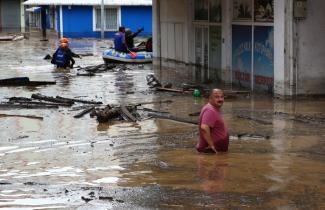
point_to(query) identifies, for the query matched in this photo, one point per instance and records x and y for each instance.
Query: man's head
(64, 40)
(64, 45)
(216, 98)
(128, 32)
(121, 29)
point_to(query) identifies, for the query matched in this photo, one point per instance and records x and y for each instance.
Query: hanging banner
(264, 57)
(242, 55)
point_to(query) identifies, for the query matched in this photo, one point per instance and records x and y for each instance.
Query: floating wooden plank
(170, 90)
(79, 100)
(26, 106)
(126, 112)
(24, 116)
(81, 114)
(255, 119)
(153, 102)
(40, 103)
(23, 81)
(19, 99)
(171, 117)
(51, 99)
(6, 38)
(156, 111)
(88, 74)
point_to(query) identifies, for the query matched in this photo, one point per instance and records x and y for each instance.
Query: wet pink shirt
(219, 133)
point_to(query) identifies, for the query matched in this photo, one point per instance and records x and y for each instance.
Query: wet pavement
(60, 162)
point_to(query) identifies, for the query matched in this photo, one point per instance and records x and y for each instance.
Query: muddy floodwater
(275, 159)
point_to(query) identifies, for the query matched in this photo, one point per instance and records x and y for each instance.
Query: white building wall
(173, 29)
(299, 45)
(311, 49)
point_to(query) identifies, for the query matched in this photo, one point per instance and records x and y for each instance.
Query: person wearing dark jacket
(129, 38)
(63, 56)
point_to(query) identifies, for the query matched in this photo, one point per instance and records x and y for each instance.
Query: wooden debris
(81, 114)
(153, 102)
(72, 100)
(98, 68)
(194, 114)
(25, 116)
(125, 112)
(156, 111)
(19, 99)
(23, 81)
(170, 117)
(152, 81)
(107, 114)
(88, 74)
(171, 90)
(86, 54)
(39, 103)
(27, 106)
(248, 136)
(6, 38)
(255, 119)
(52, 99)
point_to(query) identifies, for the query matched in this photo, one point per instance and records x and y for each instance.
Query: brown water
(55, 162)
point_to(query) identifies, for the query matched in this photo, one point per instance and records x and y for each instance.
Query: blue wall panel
(78, 21)
(135, 17)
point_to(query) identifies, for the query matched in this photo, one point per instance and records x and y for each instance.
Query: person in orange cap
(64, 40)
(63, 56)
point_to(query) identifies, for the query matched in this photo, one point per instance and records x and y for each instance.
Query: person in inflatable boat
(119, 40)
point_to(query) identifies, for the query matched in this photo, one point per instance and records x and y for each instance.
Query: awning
(90, 2)
(33, 9)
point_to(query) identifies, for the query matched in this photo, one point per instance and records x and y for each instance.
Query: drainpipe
(102, 25)
(159, 28)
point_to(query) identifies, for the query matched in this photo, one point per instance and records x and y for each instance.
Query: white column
(284, 72)
(102, 25)
(22, 16)
(156, 28)
(61, 22)
(226, 47)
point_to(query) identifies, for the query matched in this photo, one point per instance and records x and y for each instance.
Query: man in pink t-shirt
(214, 135)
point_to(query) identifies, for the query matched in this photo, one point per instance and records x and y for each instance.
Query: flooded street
(60, 162)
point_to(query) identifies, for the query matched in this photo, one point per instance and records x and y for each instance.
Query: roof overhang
(33, 9)
(90, 2)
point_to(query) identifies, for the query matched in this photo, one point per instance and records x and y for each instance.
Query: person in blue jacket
(63, 56)
(119, 40)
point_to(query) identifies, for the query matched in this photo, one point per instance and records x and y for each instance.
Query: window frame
(107, 7)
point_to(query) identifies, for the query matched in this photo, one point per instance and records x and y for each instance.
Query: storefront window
(201, 9)
(215, 11)
(242, 10)
(263, 10)
(215, 52)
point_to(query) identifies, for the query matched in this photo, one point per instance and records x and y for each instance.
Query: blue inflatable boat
(111, 55)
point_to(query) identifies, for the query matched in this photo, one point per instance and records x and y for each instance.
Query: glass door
(201, 53)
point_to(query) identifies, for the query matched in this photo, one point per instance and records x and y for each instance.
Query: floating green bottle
(196, 93)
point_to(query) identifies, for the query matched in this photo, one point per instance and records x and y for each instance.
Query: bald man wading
(213, 132)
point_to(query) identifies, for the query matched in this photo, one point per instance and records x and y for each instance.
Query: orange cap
(63, 45)
(64, 40)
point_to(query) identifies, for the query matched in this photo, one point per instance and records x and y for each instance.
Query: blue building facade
(84, 21)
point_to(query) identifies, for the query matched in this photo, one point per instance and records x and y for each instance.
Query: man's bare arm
(207, 136)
